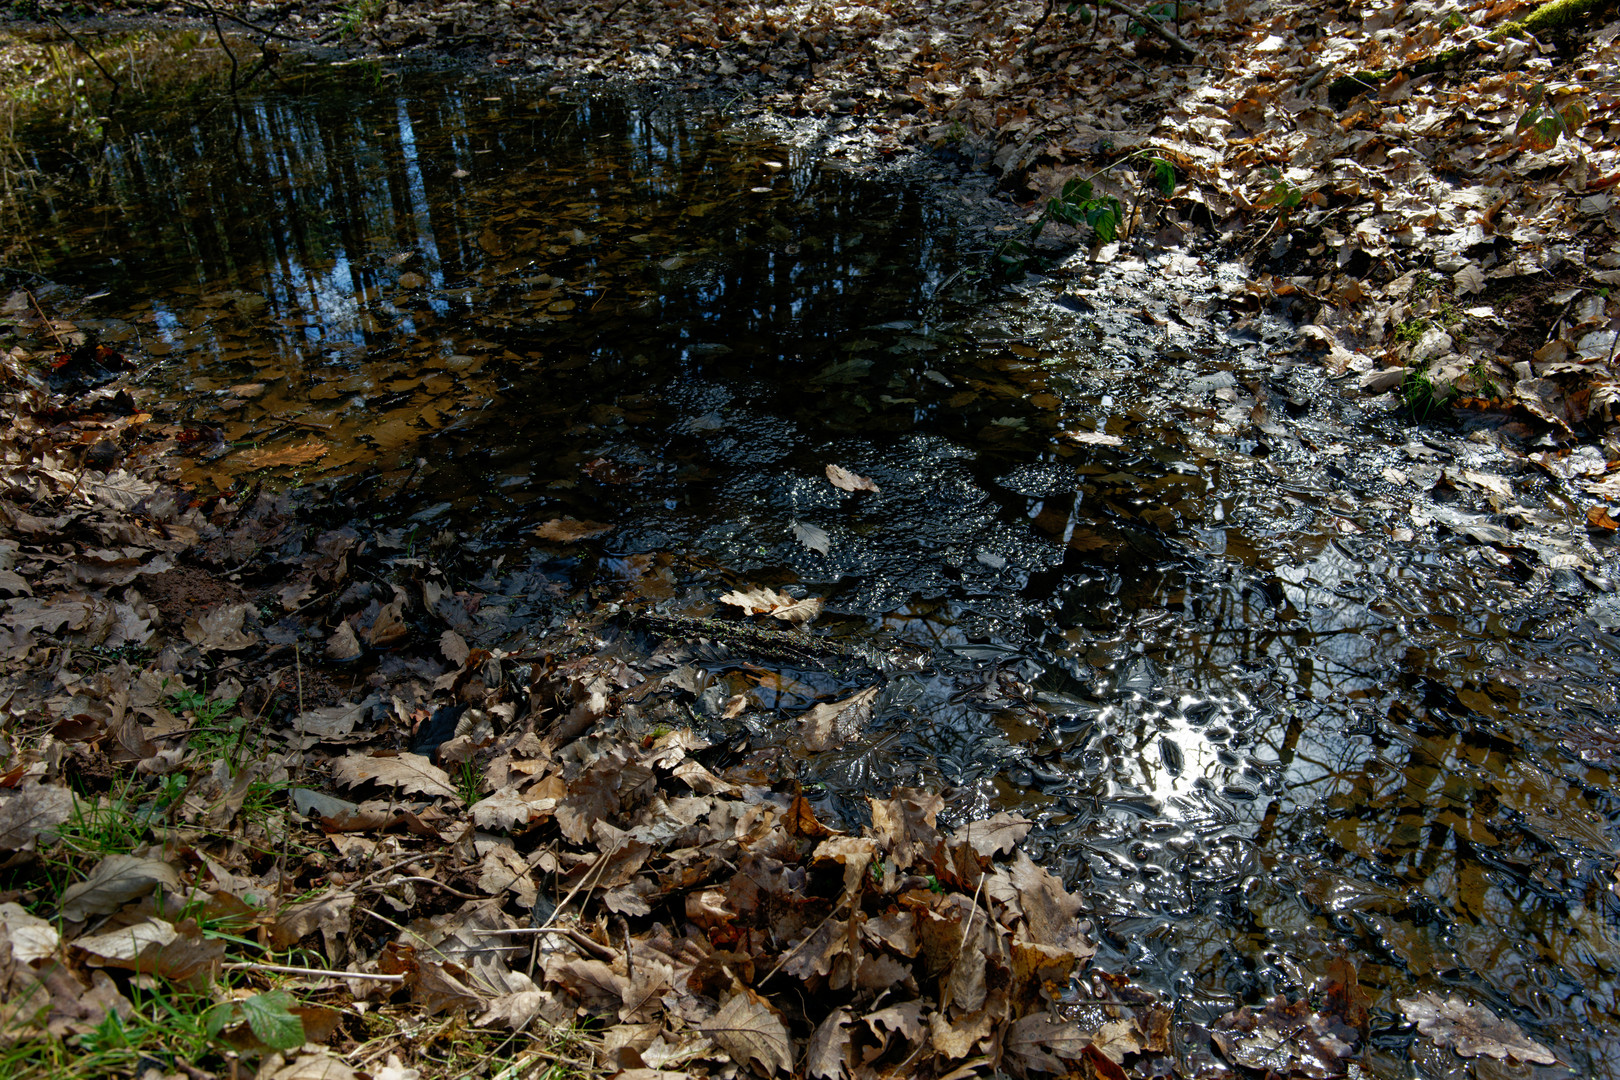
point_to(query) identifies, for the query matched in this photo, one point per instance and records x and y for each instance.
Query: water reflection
(1265, 736)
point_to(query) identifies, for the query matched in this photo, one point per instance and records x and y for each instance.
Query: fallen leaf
(829, 725)
(829, 1047)
(299, 454)
(116, 880)
(343, 644)
(748, 1030)
(1091, 438)
(32, 938)
(567, 530)
(996, 835)
(844, 480)
(812, 537)
(763, 601)
(30, 812)
(1597, 517)
(408, 772)
(220, 629)
(1472, 1030)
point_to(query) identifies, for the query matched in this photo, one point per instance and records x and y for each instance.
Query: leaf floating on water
(567, 530)
(1285, 1037)
(844, 480)
(1598, 518)
(1091, 438)
(1472, 1030)
(763, 601)
(812, 537)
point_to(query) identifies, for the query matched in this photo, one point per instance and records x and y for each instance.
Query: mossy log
(1551, 17)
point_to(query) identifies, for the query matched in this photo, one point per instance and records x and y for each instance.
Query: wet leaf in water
(567, 530)
(299, 454)
(844, 480)
(1285, 1037)
(998, 834)
(812, 537)
(1091, 438)
(1598, 518)
(830, 725)
(1472, 1030)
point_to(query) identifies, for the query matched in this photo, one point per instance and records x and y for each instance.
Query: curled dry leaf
(220, 629)
(844, 480)
(1472, 1030)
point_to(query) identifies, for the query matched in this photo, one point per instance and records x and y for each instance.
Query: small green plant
(1282, 194)
(1078, 203)
(468, 783)
(269, 1016)
(1547, 119)
(1484, 385)
(1411, 331)
(1419, 394)
(358, 13)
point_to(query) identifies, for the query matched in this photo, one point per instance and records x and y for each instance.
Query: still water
(1282, 703)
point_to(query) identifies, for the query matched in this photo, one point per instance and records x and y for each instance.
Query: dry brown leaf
(343, 644)
(116, 880)
(30, 812)
(32, 938)
(829, 1047)
(320, 1066)
(1041, 1042)
(751, 1032)
(408, 772)
(760, 600)
(844, 480)
(996, 835)
(220, 629)
(904, 825)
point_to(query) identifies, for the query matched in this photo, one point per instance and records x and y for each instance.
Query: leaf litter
(761, 936)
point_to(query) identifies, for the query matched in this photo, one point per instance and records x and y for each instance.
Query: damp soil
(1286, 677)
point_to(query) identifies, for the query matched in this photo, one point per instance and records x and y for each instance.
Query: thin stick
(802, 942)
(60, 344)
(1148, 22)
(93, 58)
(283, 969)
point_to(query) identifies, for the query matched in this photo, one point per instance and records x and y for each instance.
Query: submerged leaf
(1472, 1030)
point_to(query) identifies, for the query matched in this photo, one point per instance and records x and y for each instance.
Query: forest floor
(223, 854)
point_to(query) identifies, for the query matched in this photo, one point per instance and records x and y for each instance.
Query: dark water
(1275, 702)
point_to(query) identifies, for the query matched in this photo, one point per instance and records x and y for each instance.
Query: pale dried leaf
(32, 811)
(408, 772)
(844, 480)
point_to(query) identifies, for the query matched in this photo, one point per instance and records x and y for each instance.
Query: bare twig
(94, 59)
(314, 973)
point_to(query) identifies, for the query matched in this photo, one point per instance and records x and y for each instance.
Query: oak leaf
(1472, 1030)
(751, 1032)
(760, 600)
(408, 772)
(831, 724)
(829, 1047)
